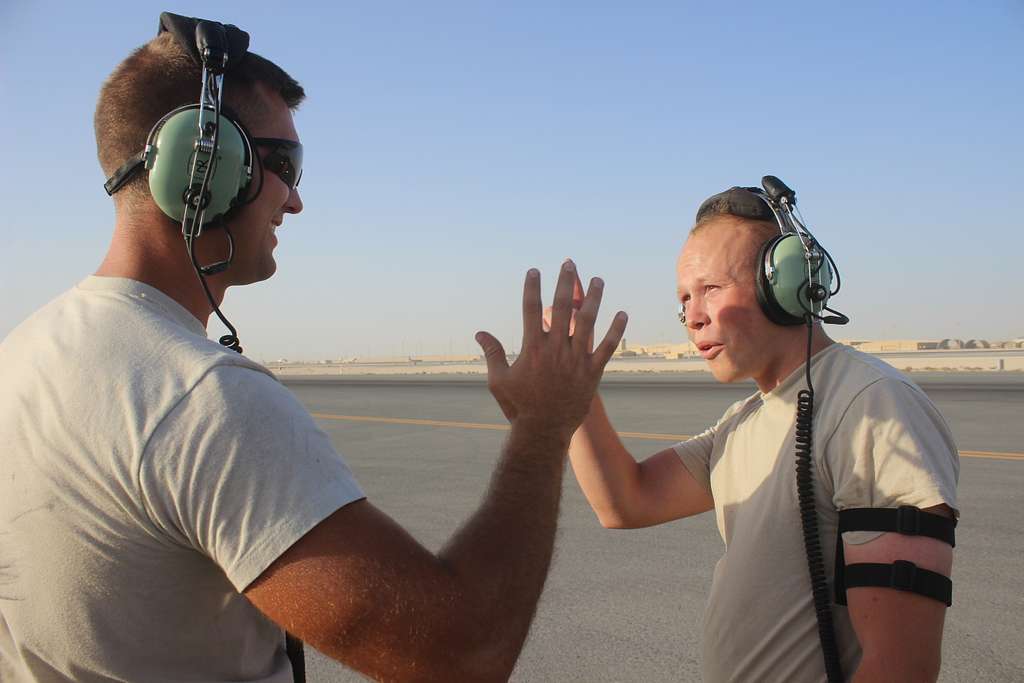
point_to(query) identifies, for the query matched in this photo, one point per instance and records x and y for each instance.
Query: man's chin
(267, 269)
(254, 276)
(722, 372)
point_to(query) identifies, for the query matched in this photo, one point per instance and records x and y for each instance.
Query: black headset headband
(745, 202)
(198, 35)
(749, 202)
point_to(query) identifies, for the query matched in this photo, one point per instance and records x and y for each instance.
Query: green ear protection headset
(173, 149)
(199, 159)
(794, 272)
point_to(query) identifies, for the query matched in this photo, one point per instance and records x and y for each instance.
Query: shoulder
(851, 379)
(863, 393)
(241, 387)
(886, 444)
(860, 369)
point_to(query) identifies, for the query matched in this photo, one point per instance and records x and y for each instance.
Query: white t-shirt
(149, 475)
(878, 442)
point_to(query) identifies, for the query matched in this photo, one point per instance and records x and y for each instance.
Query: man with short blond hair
(878, 443)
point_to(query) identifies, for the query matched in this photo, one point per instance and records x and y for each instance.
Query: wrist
(542, 432)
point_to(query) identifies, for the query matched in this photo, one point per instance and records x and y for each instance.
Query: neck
(793, 354)
(149, 250)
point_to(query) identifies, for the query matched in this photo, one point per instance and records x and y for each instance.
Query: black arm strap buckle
(901, 575)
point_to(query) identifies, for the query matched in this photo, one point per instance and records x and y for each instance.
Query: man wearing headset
(878, 443)
(167, 508)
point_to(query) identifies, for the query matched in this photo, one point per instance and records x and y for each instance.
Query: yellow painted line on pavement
(412, 421)
(992, 455)
(648, 436)
(478, 425)
(674, 438)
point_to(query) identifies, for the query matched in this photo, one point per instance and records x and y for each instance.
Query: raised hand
(552, 382)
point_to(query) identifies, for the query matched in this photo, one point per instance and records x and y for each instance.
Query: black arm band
(903, 576)
(906, 519)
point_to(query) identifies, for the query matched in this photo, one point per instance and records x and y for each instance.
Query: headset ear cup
(171, 157)
(770, 289)
(237, 169)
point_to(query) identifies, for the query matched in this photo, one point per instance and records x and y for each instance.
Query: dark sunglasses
(284, 159)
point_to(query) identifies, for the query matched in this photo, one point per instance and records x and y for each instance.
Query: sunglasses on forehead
(284, 159)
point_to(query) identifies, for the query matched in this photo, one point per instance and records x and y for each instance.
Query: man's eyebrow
(680, 290)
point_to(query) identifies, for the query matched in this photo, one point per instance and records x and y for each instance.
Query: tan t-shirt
(149, 475)
(878, 442)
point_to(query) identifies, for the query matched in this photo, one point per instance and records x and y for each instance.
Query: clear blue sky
(452, 145)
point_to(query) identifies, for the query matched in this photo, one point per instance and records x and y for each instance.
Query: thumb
(494, 353)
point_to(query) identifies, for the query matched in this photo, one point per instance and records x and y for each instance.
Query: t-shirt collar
(147, 295)
(794, 382)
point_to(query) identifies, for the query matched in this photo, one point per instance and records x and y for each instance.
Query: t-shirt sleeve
(891, 448)
(240, 471)
(695, 453)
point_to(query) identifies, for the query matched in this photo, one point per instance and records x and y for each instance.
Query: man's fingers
(603, 353)
(494, 354)
(533, 309)
(561, 310)
(586, 316)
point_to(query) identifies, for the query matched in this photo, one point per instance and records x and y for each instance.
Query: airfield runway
(627, 605)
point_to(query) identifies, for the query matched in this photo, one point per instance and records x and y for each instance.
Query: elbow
(483, 657)
(613, 519)
(468, 669)
(472, 646)
(471, 658)
(487, 666)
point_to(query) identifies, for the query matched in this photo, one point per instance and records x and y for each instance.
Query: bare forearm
(464, 614)
(606, 471)
(505, 577)
(626, 494)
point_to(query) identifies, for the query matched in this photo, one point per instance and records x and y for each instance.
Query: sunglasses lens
(294, 155)
(285, 161)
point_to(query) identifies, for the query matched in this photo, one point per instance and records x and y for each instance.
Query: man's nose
(696, 315)
(294, 203)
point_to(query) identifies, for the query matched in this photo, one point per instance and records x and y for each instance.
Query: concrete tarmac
(627, 605)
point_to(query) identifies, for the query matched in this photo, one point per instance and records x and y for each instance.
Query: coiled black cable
(809, 520)
(229, 340)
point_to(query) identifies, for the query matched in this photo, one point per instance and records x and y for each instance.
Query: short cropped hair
(161, 76)
(740, 206)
